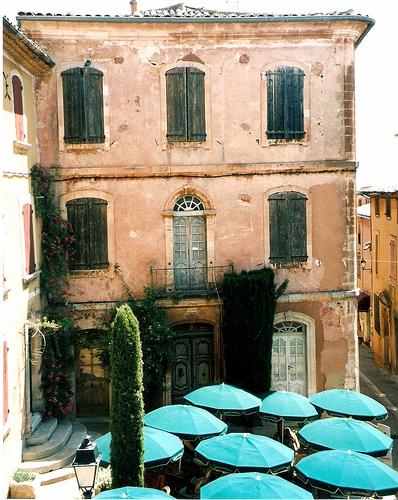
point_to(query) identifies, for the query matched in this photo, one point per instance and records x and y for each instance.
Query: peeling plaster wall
(236, 168)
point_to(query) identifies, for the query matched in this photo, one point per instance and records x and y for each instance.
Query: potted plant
(24, 484)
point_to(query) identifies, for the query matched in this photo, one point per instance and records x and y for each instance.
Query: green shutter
(285, 103)
(196, 104)
(93, 106)
(77, 212)
(98, 234)
(176, 96)
(298, 227)
(278, 228)
(73, 105)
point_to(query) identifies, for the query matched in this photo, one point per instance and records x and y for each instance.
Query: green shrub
(21, 476)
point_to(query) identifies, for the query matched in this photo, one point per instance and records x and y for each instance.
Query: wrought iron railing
(188, 280)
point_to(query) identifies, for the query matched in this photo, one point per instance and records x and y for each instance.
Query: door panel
(189, 247)
(289, 367)
(92, 394)
(193, 365)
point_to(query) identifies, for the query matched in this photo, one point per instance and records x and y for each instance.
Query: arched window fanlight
(188, 203)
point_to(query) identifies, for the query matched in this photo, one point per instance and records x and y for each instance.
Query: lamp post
(86, 465)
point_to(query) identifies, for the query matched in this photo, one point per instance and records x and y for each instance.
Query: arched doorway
(293, 353)
(193, 365)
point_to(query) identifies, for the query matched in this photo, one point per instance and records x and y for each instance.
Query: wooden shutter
(278, 228)
(18, 108)
(176, 97)
(88, 217)
(28, 238)
(196, 104)
(285, 103)
(287, 227)
(77, 212)
(393, 262)
(298, 226)
(73, 105)
(93, 106)
(98, 233)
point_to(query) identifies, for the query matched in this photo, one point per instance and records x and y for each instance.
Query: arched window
(185, 96)
(88, 217)
(18, 108)
(189, 244)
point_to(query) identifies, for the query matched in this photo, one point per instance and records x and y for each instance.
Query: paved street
(376, 382)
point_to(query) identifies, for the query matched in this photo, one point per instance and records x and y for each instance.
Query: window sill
(87, 147)
(21, 146)
(6, 292)
(30, 277)
(187, 145)
(89, 273)
(284, 142)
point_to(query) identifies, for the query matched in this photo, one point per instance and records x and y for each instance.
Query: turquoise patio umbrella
(238, 452)
(224, 399)
(345, 434)
(342, 403)
(347, 473)
(187, 422)
(289, 406)
(133, 492)
(253, 485)
(161, 448)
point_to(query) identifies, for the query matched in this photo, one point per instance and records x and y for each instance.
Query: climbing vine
(59, 337)
(249, 301)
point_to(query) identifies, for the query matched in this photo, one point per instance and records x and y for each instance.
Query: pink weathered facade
(233, 172)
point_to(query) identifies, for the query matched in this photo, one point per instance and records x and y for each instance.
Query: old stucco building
(188, 143)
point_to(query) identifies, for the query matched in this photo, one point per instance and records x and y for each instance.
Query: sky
(376, 64)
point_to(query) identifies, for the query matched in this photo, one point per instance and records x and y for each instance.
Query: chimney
(133, 5)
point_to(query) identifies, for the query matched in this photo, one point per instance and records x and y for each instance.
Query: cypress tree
(249, 301)
(127, 407)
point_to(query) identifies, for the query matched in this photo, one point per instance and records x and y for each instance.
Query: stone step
(43, 433)
(57, 441)
(56, 476)
(36, 422)
(60, 459)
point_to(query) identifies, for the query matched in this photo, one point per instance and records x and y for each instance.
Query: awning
(363, 302)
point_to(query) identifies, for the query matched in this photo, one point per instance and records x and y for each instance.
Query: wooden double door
(193, 365)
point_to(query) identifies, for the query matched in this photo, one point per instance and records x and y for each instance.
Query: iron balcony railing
(188, 280)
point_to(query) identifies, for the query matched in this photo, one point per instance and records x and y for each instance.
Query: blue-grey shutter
(98, 233)
(176, 98)
(196, 104)
(93, 106)
(285, 103)
(78, 217)
(73, 105)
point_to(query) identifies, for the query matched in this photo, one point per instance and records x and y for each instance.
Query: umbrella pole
(283, 431)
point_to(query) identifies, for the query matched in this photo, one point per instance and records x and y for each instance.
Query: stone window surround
(89, 193)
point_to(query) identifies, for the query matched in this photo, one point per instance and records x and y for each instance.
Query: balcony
(187, 281)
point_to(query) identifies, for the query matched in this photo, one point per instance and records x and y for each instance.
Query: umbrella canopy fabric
(238, 452)
(161, 448)
(253, 485)
(347, 473)
(225, 399)
(345, 434)
(277, 405)
(341, 403)
(133, 492)
(186, 422)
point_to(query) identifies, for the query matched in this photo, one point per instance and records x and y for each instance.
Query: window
(393, 261)
(29, 257)
(83, 105)
(285, 103)
(18, 108)
(288, 227)
(388, 208)
(189, 247)
(88, 217)
(377, 206)
(377, 252)
(185, 96)
(376, 312)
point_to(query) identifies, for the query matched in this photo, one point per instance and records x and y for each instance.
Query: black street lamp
(86, 465)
